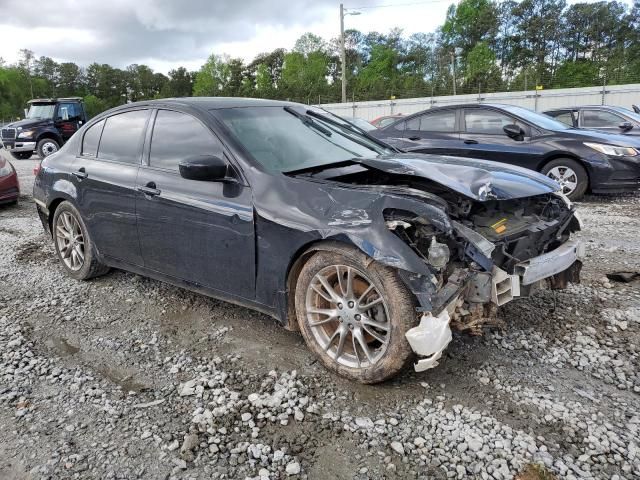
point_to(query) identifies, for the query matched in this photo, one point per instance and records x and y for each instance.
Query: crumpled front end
(498, 251)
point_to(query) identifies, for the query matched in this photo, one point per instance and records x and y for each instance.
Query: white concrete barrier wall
(618, 95)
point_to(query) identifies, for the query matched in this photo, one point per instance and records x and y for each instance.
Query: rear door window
(91, 139)
(600, 119)
(486, 122)
(564, 117)
(442, 121)
(122, 136)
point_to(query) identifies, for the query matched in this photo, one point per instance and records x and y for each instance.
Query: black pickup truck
(48, 124)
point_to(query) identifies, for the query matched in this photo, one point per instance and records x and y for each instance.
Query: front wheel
(353, 315)
(73, 244)
(46, 147)
(571, 176)
(22, 155)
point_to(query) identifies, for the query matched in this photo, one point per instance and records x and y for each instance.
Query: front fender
(49, 133)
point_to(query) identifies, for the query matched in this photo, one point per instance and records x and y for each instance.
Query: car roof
(470, 105)
(595, 107)
(212, 103)
(55, 100)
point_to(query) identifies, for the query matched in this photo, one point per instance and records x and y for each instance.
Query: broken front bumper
(433, 334)
(551, 263)
(506, 287)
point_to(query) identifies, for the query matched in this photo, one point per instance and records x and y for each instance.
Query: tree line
(482, 46)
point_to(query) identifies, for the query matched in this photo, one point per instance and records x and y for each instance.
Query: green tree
(379, 76)
(70, 80)
(213, 77)
(179, 84)
(263, 82)
(47, 69)
(94, 105)
(469, 23)
(14, 92)
(578, 73)
(482, 72)
(304, 76)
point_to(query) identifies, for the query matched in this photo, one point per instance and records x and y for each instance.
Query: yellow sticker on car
(500, 226)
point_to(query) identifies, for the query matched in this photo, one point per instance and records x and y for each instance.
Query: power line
(399, 4)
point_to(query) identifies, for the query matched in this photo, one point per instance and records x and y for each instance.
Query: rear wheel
(47, 146)
(571, 176)
(353, 315)
(74, 245)
(22, 155)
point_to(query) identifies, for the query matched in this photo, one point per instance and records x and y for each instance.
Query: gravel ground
(125, 377)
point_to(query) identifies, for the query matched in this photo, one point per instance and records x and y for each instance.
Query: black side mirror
(636, 108)
(204, 168)
(625, 126)
(514, 131)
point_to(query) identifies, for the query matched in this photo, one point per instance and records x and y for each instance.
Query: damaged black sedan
(371, 254)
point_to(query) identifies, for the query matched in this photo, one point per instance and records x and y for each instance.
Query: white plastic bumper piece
(429, 339)
(550, 263)
(504, 287)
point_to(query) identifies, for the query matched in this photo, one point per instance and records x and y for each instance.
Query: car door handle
(80, 174)
(149, 189)
(415, 138)
(471, 142)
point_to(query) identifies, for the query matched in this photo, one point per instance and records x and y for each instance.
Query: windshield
(41, 111)
(360, 122)
(537, 119)
(284, 139)
(627, 113)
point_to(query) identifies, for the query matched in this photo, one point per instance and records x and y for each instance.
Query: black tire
(91, 267)
(47, 146)
(22, 155)
(400, 307)
(580, 173)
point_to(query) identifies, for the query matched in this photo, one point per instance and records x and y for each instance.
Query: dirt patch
(32, 251)
(62, 346)
(535, 472)
(10, 231)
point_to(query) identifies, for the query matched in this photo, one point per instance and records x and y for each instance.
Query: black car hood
(29, 123)
(477, 179)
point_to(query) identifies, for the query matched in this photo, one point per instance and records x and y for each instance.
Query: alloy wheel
(70, 241)
(566, 177)
(348, 317)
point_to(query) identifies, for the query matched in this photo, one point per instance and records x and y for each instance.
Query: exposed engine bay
(498, 250)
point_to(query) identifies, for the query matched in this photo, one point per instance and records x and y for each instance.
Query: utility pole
(453, 70)
(343, 55)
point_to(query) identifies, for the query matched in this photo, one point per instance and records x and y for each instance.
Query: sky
(165, 34)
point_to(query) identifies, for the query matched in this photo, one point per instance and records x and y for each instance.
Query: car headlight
(613, 150)
(26, 134)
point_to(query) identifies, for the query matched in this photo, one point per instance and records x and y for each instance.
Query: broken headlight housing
(438, 254)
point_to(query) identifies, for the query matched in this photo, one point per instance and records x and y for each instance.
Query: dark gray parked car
(372, 254)
(579, 160)
(616, 120)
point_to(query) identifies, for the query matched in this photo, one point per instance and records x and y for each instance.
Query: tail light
(37, 168)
